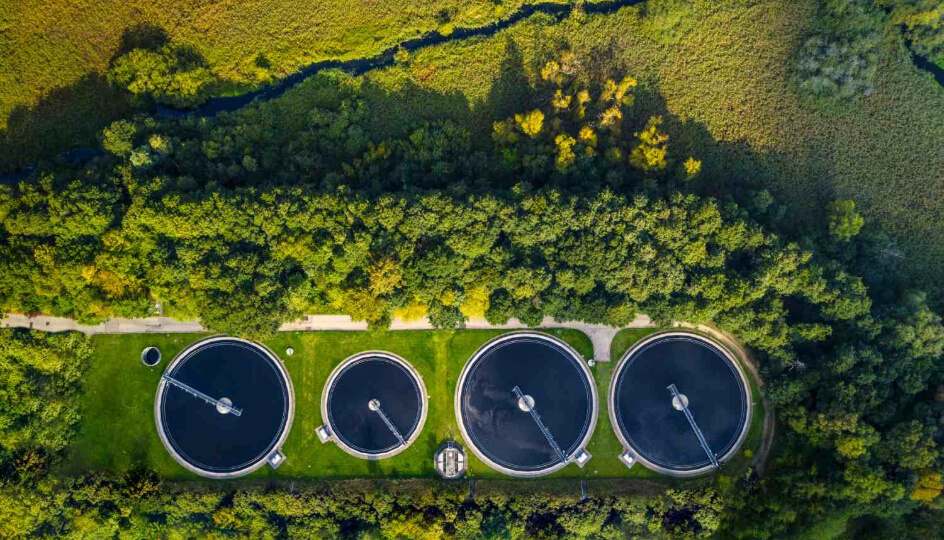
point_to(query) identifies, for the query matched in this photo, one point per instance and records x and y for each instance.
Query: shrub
(844, 68)
(844, 220)
(174, 75)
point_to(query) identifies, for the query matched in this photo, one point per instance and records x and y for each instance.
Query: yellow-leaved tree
(650, 152)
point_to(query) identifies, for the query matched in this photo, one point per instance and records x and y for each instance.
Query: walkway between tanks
(600, 335)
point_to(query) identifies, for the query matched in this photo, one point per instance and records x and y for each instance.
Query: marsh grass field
(53, 55)
(117, 431)
(718, 71)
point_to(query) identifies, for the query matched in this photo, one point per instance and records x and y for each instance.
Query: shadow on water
(923, 63)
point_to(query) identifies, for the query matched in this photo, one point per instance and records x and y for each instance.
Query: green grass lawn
(117, 431)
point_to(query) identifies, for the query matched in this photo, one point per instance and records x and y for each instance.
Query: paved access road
(600, 335)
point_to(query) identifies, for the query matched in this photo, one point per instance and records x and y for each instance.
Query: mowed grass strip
(117, 432)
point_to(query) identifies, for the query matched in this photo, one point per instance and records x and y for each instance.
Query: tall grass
(725, 89)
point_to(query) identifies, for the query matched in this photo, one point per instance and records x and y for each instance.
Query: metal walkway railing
(220, 405)
(393, 429)
(683, 406)
(537, 420)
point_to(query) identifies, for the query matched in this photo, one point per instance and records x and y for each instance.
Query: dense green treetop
(576, 207)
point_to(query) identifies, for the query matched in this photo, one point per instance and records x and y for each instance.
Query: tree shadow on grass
(67, 117)
(142, 36)
(736, 171)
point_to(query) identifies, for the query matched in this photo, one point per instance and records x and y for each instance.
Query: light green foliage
(39, 381)
(929, 487)
(174, 74)
(649, 154)
(924, 24)
(86, 509)
(668, 20)
(844, 220)
(118, 137)
(530, 123)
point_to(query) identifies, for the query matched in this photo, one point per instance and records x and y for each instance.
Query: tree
(118, 138)
(39, 380)
(839, 59)
(173, 74)
(844, 220)
(923, 21)
(929, 488)
(530, 123)
(649, 154)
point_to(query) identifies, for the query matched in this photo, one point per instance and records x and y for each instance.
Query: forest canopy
(576, 206)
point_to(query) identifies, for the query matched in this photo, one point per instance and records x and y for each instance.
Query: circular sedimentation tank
(657, 381)
(224, 407)
(374, 405)
(526, 404)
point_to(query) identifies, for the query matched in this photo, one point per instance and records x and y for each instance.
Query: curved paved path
(600, 335)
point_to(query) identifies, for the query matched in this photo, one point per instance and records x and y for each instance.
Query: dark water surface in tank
(152, 356)
(226, 442)
(715, 391)
(562, 397)
(374, 377)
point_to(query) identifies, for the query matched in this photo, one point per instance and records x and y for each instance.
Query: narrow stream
(384, 59)
(357, 66)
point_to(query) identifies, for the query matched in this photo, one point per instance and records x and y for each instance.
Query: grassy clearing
(117, 432)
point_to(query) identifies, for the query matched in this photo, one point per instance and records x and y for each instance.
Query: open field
(118, 432)
(720, 76)
(717, 71)
(53, 54)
